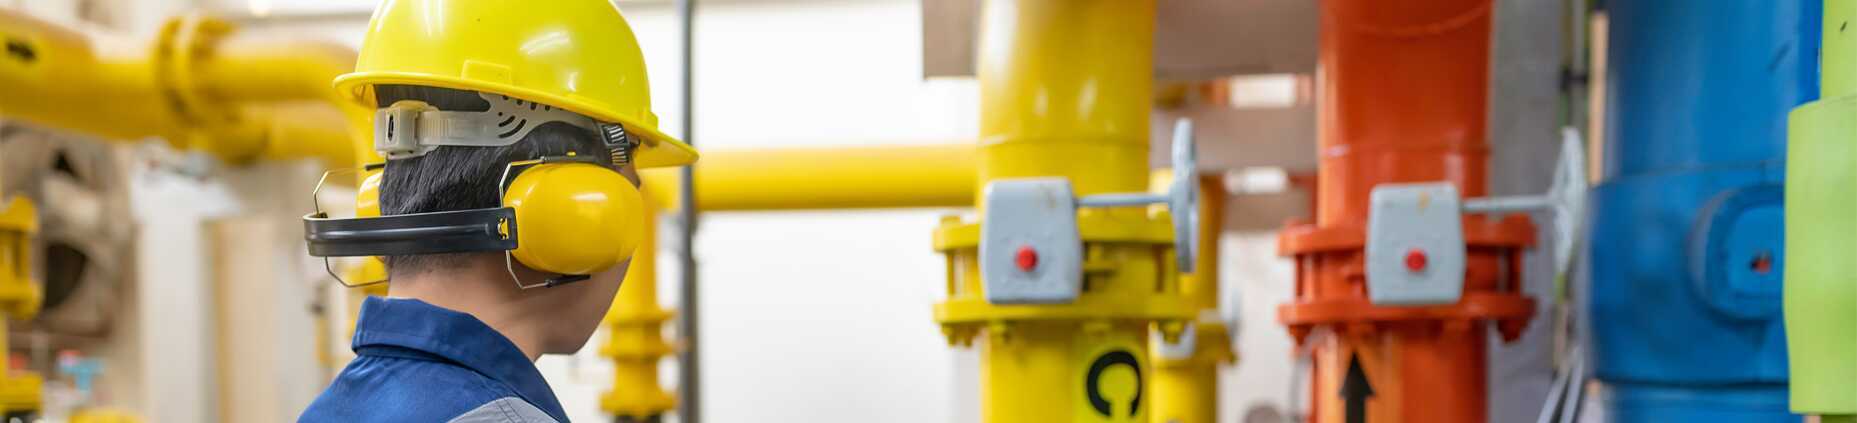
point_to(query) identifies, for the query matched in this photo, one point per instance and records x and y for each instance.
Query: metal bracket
(1030, 247)
(1415, 232)
(1184, 347)
(1415, 245)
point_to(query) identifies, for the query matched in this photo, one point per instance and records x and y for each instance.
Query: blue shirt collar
(458, 337)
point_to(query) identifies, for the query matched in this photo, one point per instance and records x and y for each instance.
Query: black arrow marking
(1095, 378)
(1355, 389)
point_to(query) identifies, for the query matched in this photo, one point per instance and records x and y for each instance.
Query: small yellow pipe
(19, 297)
(635, 330)
(19, 292)
(1187, 390)
(827, 178)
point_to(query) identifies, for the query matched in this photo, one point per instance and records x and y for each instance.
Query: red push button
(1026, 258)
(1415, 260)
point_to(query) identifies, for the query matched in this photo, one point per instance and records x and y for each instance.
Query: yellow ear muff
(574, 218)
(367, 196)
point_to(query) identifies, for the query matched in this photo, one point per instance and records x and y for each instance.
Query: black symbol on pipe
(21, 51)
(1354, 390)
(1092, 383)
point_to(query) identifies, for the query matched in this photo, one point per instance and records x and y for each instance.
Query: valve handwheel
(1183, 197)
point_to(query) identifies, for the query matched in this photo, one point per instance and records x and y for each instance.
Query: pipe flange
(179, 48)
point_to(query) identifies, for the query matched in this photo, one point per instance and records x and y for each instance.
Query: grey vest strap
(505, 410)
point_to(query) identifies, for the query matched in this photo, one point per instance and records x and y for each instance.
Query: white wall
(809, 316)
(1253, 282)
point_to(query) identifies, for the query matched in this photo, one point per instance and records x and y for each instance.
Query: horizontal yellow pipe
(296, 130)
(198, 85)
(276, 69)
(58, 77)
(827, 178)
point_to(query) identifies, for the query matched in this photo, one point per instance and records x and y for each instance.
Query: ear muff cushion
(574, 218)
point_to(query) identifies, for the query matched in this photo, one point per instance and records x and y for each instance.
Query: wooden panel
(949, 30)
(244, 320)
(1252, 213)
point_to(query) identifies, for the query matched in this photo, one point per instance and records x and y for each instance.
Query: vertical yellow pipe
(19, 300)
(1064, 91)
(635, 330)
(1186, 389)
(1202, 286)
(1065, 88)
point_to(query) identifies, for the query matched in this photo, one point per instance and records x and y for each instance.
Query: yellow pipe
(1186, 389)
(1202, 286)
(827, 178)
(103, 415)
(19, 298)
(1065, 90)
(635, 330)
(301, 129)
(197, 85)
(276, 69)
(58, 77)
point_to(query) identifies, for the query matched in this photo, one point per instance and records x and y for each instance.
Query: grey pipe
(689, 359)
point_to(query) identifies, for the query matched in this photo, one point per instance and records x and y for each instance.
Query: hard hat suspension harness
(411, 128)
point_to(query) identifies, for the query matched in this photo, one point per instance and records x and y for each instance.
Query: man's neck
(484, 292)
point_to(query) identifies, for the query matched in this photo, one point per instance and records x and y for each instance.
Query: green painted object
(1821, 230)
(1837, 64)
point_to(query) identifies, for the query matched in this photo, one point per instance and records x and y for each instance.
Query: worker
(508, 205)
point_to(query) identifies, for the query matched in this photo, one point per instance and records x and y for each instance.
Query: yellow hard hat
(578, 55)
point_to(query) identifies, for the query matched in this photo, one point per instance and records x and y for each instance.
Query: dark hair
(460, 178)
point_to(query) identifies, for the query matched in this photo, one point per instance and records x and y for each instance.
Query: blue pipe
(1683, 275)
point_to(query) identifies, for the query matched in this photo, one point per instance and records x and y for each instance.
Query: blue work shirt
(417, 362)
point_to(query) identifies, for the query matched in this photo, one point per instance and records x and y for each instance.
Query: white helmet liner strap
(411, 128)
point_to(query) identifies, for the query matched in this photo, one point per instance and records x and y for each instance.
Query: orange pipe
(1404, 88)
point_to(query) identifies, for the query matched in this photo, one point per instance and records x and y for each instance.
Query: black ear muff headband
(445, 232)
(464, 231)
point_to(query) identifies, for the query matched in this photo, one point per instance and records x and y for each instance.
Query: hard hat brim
(656, 148)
